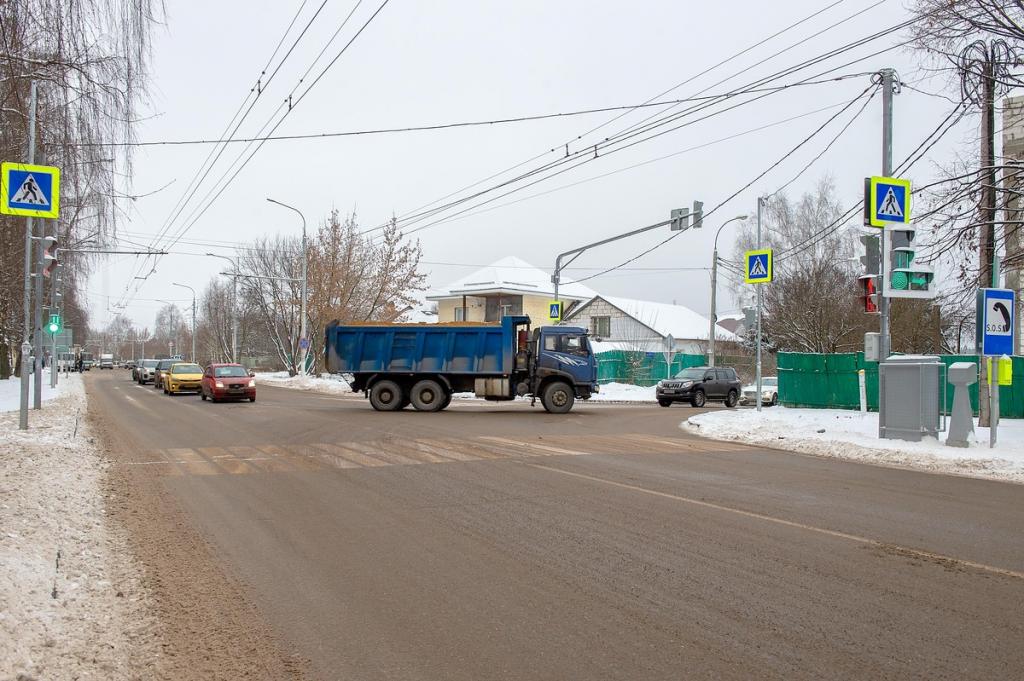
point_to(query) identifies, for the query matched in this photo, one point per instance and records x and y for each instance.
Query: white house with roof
(510, 286)
(640, 325)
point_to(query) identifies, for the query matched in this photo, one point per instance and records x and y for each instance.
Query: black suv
(697, 385)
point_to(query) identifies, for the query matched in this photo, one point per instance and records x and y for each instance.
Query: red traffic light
(869, 294)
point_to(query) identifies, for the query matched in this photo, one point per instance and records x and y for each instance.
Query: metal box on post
(909, 397)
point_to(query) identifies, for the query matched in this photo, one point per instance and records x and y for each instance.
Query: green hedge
(830, 382)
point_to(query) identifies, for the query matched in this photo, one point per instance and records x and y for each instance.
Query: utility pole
(760, 205)
(26, 347)
(888, 87)
(714, 292)
(988, 271)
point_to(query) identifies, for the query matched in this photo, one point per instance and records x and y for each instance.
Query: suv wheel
(698, 400)
(732, 398)
(665, 403)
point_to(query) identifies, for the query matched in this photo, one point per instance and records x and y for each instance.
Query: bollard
(961, 422)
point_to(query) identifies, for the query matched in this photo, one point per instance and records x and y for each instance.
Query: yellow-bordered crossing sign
(29, 190)
(555, 311)
(758, 266)
(888, 201)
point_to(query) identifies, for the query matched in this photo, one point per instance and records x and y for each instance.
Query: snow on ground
(624, 392)
(324, 383)
(851, 435)
(71, 601)
(10, 391)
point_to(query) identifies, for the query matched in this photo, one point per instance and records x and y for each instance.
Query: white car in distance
(769, 392)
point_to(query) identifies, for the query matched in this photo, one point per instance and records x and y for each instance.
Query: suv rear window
(166, 363)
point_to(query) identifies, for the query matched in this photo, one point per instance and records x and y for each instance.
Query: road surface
(308, 535)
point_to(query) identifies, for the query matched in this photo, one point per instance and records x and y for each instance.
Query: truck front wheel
(386, 396)
(558, 397)
(428, 395)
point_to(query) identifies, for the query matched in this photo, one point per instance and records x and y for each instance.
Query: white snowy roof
(511, 275)
(679, 321)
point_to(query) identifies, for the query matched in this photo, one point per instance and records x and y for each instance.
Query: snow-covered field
(10, 391)
(71, 604)
(328, 383)
(850, 435)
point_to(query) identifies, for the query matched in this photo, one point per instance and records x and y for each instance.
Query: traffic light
(871, 260)
(905, 277)
(698, 214)
(49, 246)
(54, 326)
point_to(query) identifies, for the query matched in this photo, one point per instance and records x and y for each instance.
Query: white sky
(437, 62)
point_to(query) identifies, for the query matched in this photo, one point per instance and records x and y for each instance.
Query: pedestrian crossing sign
(29, 190)
(888, 201)
(555, 311)
(759, 266)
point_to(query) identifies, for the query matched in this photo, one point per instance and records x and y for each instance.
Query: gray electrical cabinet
(909, 397)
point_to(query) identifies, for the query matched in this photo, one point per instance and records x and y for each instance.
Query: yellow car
(183, 376)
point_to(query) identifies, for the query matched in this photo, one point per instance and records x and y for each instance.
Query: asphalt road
(495, 541)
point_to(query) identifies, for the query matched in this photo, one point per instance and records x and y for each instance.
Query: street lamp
(302, 313)
(234, 304)
(193, 317)
(714, 292)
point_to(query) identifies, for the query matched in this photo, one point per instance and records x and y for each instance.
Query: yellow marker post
(1005, 370)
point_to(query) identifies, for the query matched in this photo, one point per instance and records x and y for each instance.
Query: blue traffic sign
(29, 190)
(304, 343)
(996, 321)
(759, 266)
(888, 201)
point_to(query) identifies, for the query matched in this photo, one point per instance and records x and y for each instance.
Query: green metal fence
(622, 366)
(830, 382)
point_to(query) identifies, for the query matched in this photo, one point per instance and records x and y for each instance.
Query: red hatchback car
(228, 381)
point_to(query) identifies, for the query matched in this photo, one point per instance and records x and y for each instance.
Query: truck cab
(564, 351)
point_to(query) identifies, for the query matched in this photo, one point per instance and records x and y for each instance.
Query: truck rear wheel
(386, 396)
(558, 397)
(428, 395)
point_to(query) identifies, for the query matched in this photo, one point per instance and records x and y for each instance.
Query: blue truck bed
(486, 349)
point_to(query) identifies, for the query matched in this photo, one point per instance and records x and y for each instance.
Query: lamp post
(714, 292)
(193, 358)
(302, 312)
(234, 304)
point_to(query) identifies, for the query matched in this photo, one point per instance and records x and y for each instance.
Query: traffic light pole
(888, 85)
(26, 348)
(37, 385)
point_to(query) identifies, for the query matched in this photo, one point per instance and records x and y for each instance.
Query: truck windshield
(569, 343)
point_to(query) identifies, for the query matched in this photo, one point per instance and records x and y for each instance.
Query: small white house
(640, 325)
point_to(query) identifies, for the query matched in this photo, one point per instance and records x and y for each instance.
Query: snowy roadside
(10, 391)
(335, 385)
(850, 435)
(73, 604)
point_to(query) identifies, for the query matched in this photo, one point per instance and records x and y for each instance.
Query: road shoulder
(211, 629)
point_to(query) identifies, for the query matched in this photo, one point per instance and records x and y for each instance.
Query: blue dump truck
(396, 365)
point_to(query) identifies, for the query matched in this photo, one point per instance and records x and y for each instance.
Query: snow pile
(324, 383)
(71, 601)
(10, 391)
(851, 435)
(624, 392)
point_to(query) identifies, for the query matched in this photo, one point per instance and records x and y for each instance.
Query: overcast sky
(421, 63)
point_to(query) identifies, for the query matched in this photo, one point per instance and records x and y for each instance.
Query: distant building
(639, 325)
(1013, 150)
(510, 286)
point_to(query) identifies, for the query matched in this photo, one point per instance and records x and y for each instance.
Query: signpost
(995, 323)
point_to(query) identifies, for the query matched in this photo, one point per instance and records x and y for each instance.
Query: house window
(460, 314)
(506, 310)
(601, 327)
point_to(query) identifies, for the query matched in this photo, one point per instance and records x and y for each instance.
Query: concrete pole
(234, 317)
(714, 312)
(760, 205)
(26, 347)
(888, 85)
(37, 386)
